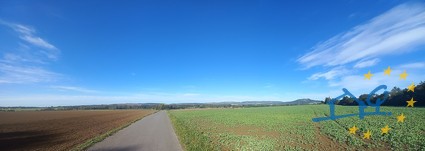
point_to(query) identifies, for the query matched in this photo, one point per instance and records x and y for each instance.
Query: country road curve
(152, 133)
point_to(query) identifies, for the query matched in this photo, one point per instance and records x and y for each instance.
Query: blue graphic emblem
(361, 103)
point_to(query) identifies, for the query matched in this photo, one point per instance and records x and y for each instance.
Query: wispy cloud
(334, 72)
(399, 30)
(416, 65)
(366, 63)
(25, 74)
(395, 31)
(357, 83)
(27, 63)
(27, 34)
(72, 88)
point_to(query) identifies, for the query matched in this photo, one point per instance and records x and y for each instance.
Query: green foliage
(397, 97)
(291, 128)
(190, 138)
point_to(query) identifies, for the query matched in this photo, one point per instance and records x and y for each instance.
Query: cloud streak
(28, 34)
(357, 83)
(25, 74)
(416, 65)
(72, 88)
(27, 63)
(349, 55)
(395, 31)
(367, 63)
(335, 72)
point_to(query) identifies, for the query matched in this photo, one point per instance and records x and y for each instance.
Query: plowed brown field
(59, 130)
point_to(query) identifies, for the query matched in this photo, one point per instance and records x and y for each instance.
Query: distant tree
(347, 101)
(160, 107)
(327, 99)
(396, 97)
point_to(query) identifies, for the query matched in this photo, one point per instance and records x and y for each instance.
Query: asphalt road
(152, 133)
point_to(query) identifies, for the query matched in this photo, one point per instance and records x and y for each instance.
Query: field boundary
(99, 138)
(172, 119)
(173, 123)
(190, 138)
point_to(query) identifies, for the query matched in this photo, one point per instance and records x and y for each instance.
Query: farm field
(60, 130)
(291, 128)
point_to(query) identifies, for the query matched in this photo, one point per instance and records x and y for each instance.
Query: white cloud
(367, 63)
(25, 30)
(28, 34)
(357, 83)
(26, 64)
(72, 88)
(37, 41)
(335, 72)
(396, 31)
(416, 65)
(25, 74)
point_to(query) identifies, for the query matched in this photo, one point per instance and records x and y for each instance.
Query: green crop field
(291, 128)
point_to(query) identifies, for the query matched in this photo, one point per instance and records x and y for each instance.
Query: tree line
(396, 97)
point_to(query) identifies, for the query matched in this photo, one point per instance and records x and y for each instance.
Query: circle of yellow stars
(400, 118)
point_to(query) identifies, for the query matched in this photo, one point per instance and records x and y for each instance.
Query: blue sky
(102, 52)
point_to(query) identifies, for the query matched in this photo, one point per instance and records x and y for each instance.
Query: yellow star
(401, 118)
(403, 75)
(387, 71)
(353, 129)
(410, 103)
(368, 75)
(385, 130)
(411, 87)
(367, 135)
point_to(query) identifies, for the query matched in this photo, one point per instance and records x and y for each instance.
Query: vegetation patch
(291, 128)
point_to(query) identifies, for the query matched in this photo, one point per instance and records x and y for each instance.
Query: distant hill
(305, 101)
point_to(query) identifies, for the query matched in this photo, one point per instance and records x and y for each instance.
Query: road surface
(152, 133)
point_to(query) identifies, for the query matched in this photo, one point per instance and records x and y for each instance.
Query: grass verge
(190, 138)
(92, 141)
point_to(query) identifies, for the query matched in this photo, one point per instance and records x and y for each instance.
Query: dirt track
(59, 130)
(152, 133)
